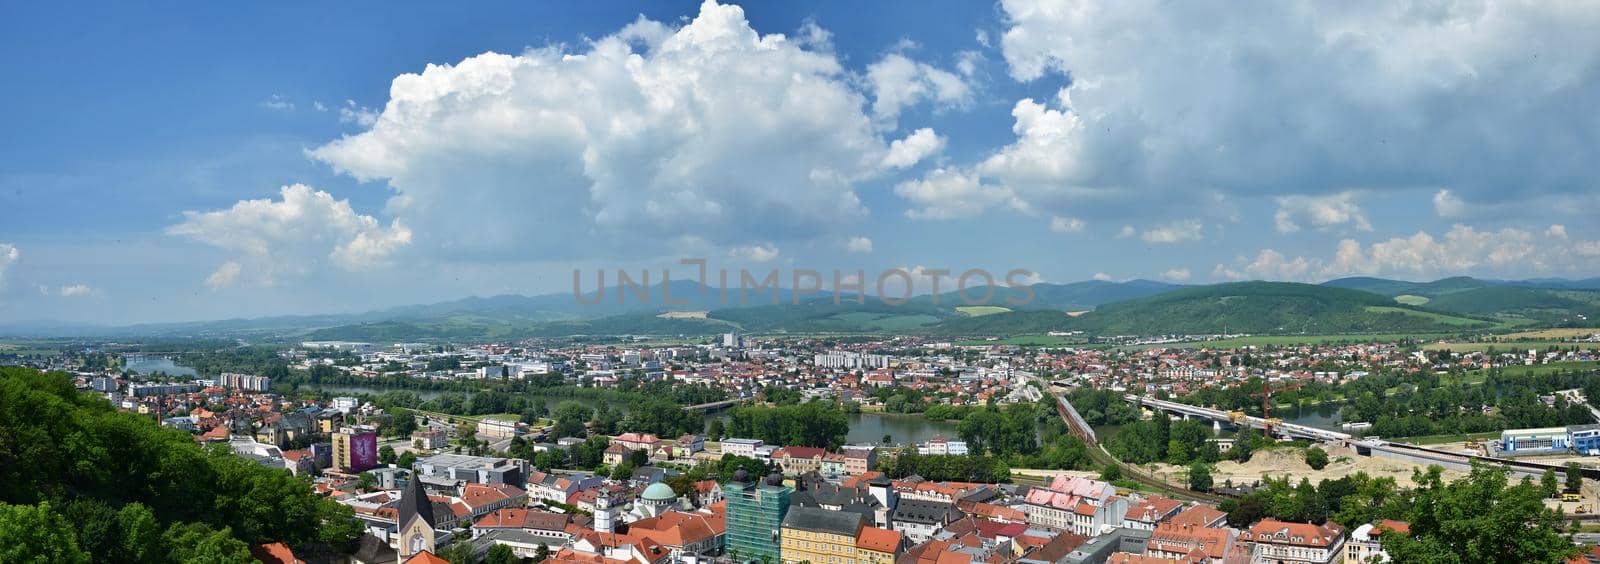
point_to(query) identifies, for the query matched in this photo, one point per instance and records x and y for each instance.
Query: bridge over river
(1289, 430)
(1420, 455)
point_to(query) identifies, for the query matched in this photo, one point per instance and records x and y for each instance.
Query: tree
(1480, 519)
(197, 543)
(623, 471)
(1574, 477)
(386, 455)
(1111, 473)
(141, 533)
(1200, 477)
(457, 551)
(35, 533)
(542, 553)
(1316, 458)
(404, 424)
(715, 430)
(1548, 484)
(501, 554)
(407, 459)
(366, 481)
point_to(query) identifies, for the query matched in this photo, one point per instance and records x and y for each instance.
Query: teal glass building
(756, 509)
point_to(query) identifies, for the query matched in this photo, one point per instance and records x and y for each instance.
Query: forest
(81, 482)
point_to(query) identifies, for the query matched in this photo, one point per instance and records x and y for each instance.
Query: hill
(81, 482)
(1265, 308)
(1538, 304)
(1075, 296)
(1381, 286)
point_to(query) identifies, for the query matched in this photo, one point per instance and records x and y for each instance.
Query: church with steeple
(415, 519)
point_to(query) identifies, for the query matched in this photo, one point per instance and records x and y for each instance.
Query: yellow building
(877, 546)
(819, 536)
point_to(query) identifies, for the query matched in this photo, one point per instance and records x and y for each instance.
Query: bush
(1316, 458)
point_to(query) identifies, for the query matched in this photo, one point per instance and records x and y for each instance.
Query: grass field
(879, 322)
(1411, 300)
(1499, 346)
(1442, 439)
(1435, 317)
(1563, 333)
(1286, 340)
(978, 311)
(1023, 341)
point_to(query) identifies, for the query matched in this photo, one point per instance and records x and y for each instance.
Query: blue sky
(221, 161)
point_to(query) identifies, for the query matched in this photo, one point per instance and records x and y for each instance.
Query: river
(153, 364)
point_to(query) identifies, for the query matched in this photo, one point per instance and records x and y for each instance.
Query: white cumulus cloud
(639, 138)
(293, 234)
(757, 253)
(75, 290)
(1175, 232)
(1171, 104)
(1462, 250)
(1060, 224)
(224, 276)
(1447, 204)
(8, 256)
(909, 151)
(858, 245)
(898, 82)
(1176, 274)
(1320, 212)
(951, 194)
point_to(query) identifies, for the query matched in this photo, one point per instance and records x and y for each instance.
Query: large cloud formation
(1509, 252)
(293, 235)
(1172, 102)
(709, 133)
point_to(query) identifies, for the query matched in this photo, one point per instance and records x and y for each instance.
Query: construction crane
(1267, 389)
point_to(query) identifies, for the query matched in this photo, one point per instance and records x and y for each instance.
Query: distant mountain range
(1135, 307)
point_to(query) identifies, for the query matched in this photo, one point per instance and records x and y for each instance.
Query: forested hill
(82, 482)
(1265, 307)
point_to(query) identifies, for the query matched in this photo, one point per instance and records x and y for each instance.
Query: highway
(1421, 455)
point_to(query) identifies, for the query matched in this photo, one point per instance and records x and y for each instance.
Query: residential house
(799, 460)
(1285, 542)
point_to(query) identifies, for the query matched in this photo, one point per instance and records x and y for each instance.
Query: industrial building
(1583, 439)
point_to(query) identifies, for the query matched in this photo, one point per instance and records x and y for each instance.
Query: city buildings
(245, 382)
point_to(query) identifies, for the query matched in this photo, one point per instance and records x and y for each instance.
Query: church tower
(416, 520)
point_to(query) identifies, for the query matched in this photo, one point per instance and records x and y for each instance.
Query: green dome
(659, 492)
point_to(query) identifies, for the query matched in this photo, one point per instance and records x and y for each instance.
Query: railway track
(1101, 456)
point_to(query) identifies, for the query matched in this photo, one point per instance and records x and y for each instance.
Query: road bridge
(1289, 430)
(716, 406)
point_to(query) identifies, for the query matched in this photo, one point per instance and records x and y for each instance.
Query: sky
(209, 161)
